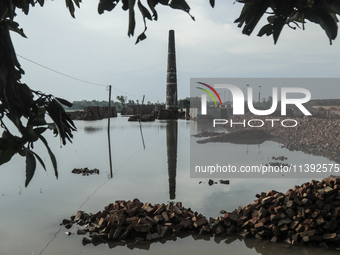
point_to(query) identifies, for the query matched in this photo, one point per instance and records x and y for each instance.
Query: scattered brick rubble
(85, 171)
(305, 214)
(282, 158)
(211, 182)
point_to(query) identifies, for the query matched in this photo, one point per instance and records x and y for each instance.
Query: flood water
(149, 162)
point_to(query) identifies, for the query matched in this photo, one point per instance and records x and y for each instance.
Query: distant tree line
(266, 103)
(122, 102)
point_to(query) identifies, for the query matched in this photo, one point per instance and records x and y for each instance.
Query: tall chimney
(171, 80)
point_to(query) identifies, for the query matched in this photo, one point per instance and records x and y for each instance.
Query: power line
(66, 75)
(74, 78)
(126, 93)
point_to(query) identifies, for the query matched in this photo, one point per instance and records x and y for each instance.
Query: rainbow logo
(209, 93)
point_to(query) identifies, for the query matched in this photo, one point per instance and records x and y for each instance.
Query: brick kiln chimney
(171, 80)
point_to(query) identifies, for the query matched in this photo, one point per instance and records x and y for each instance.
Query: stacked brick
(139, 221)
(305, 214)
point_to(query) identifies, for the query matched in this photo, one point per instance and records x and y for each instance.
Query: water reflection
(145, 245)
(109, 144)
(141, 133)
(39, 221)
(171, 145)
(171, 127)
(264, 247)
(201, 126)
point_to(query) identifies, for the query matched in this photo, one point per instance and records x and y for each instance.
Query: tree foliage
(122, 99)
(27, 108)
(24, 107)
(291, 13)
(280, 13)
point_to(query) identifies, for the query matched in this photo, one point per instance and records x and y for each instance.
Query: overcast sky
(96, 48)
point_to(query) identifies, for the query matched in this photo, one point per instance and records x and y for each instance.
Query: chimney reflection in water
(171, 144)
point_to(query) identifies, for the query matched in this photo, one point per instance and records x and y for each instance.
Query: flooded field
(150, 162)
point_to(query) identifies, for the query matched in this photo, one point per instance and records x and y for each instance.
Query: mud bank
(315, 136)
(238, 137)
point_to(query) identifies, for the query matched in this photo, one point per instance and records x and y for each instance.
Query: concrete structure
(171, 80)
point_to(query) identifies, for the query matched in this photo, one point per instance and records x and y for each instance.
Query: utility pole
(141, 109)
(109, 107)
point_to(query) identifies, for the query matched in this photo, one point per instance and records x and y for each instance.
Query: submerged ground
(31, 216)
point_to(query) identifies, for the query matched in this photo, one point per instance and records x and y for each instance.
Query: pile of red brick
(136, 220)
(305, 214)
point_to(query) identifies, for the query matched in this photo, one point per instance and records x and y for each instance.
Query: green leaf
(152, 4)
(3, 144)
(77, 2)
(106, 5)
(29, 135)
(64, 102)
(330, 6)
(125, 5)
(39, 159)
(282, 11)
(53, 159)
(30, 166)
(144, 11)
(41, 2)
(326, 20)
(39, 131)
(146, 14)
(266, 29)
(181, 5)
(39, 120)
(14, 26)
(132, 22)
(21, 152)
(271, 19)
(212, 3)
(25, 7)
(141, 37)
(9, 147)
(245, 12)
(63, 122)
(277, 28)
(70, 6)
(254, 17)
